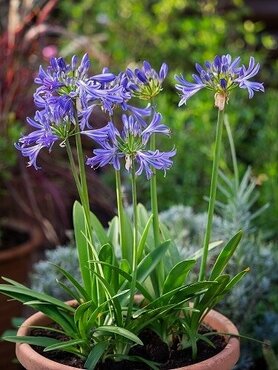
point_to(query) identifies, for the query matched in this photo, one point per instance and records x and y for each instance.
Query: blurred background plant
(27, 40)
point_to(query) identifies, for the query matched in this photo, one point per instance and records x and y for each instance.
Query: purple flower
(145, 83)
(67, 89)
(131, 144)
(98, 135)
(156, 159)
(221, 76)
(61, 78)
(105, 90)
(245, 74)
(154, 127)
(43, 137)
(139, 113)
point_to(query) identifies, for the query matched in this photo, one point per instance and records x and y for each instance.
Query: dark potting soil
(9, 237)
(154, 349)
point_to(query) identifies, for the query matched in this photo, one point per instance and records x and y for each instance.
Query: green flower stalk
(146, 84)
(212, 193)
(221, 76)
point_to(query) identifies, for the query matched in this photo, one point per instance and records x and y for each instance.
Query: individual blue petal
(187, 89)
(31, 152)
(251, 87)
(104, 77)
(99, 135)
(154, 127)
(163, 71)
(141, 76)
(139, 113)
(147, 67)
(223, 83)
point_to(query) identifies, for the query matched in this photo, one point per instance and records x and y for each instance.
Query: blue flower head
(221, 76)
(131, 144)
(60, 78)
(146, 83)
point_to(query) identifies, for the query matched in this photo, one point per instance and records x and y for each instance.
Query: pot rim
(33, 241)
(213, 318)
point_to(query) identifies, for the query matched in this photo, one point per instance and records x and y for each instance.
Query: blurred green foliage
(182, 32)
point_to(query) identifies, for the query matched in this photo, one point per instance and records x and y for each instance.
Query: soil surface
(154, 349)
(9, 237)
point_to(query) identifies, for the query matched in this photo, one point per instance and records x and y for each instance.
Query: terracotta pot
(225, 360)
(15, 264)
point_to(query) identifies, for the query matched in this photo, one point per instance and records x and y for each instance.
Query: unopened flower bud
(128, 162)
(220, 100)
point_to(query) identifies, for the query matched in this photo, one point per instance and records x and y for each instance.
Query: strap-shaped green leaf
(143, 238)
(62, 318)
(127, 238)
(38, 341)
(70, 292)
(111, 294)
(236, 279)
(99, 230)
(209, 299)
(107, 254)
(73, 281)
(63, 345)
(95, 355)
(80, 310)
(82, 245)
(177, 275)
(128, 278)
(119, 331)
(113, 231)
(150, 261)
(180, 294)
(225, 255)
(24, 294)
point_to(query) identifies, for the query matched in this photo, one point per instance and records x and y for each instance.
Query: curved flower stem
(134, 244)
(212, 195)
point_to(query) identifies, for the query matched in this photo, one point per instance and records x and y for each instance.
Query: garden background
(178, 32)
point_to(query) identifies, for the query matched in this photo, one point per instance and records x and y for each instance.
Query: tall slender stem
(212, 195)
(134, 244)
(154, 198)
(154, 205)
(120, 209)
(75, 173)
(233, 151)
(74, 169)
(90, 250)
(80, 156)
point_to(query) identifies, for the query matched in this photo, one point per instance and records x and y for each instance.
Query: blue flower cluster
(131, 144)
(222, 75)
(66, 98)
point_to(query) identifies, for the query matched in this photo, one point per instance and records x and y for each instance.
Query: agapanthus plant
(106, 323)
